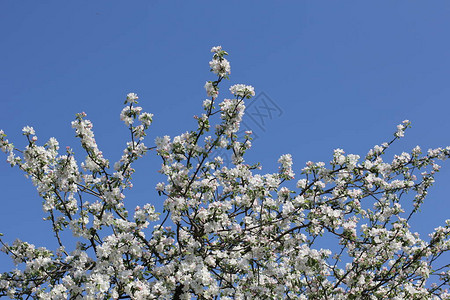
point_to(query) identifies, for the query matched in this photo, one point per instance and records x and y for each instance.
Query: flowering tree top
(227, 231)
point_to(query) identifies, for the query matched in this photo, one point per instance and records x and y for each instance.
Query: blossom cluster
(241, 90)
(227, 232)
(219, 64)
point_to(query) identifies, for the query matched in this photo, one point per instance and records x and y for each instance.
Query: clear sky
(339, 74)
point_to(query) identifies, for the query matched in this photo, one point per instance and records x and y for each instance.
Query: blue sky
(342, 74)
